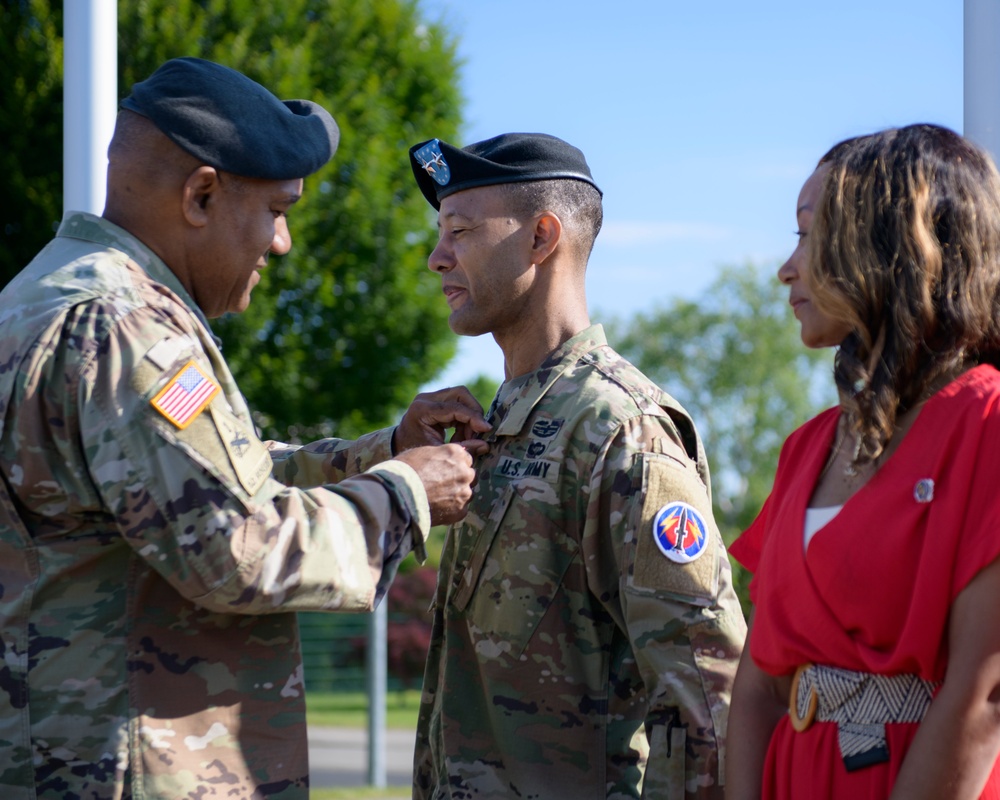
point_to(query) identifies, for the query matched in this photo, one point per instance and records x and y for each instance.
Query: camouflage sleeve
(670, 576)
(329, 460)
(197, 501)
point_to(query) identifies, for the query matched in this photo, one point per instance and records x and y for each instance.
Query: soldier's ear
(547, 235)
(199, 191)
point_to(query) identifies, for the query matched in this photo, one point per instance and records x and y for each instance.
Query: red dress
(873, 590)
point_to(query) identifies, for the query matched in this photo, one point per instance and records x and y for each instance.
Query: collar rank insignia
(185, 395)
(680, 532)
(432, 160)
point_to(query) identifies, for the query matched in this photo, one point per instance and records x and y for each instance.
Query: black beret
(441, 169)
(234, 124)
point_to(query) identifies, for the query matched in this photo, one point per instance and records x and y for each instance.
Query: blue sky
(700, 120)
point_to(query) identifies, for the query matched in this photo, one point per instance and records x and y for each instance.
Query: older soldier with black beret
(586, 632)
(153, 550)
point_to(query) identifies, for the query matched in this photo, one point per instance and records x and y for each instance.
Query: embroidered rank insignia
(535, 449)
(432, 160)
(923, 492)
(186, 395)
(680, 532)
(248, 455)
(546, 428)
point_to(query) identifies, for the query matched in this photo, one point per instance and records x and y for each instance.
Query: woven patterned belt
(860, 703)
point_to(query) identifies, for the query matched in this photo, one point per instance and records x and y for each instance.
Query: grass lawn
(358, 793)
(350, 710)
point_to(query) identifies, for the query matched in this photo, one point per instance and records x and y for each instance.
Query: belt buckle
(802, 723)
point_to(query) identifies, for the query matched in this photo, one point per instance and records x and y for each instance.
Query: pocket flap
(464, 581)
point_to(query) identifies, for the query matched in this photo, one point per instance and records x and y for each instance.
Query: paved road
(339, 757)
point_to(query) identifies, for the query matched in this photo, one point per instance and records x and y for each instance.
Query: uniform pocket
(517, 571)
(693, 576)
(716, 645)
(464, 581)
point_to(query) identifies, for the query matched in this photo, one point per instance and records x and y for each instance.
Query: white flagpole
(982, 74)
(90, 100)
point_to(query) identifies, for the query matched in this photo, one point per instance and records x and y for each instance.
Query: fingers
(456, 394)
(475, 447)
(461, 454)
(449, 516)
(453, 414)
(452, 406)
(447, 474)
(469, 431)
(465, 409)
(431, 414)
(459, 415)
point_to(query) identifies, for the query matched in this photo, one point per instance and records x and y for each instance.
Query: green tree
(343, 330)
(733, 358)
(484, 389)
(31, 57)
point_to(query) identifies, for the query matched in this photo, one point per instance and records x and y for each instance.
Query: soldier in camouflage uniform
(153, 550)
(586, 632)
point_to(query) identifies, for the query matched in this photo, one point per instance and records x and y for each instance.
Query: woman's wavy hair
(905, 248)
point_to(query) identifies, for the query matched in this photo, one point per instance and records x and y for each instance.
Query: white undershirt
(816, 518)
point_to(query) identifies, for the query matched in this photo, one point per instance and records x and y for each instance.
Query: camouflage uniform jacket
(152, 556)
(570, 657)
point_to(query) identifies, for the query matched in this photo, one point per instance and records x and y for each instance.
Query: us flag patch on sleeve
(186, 395)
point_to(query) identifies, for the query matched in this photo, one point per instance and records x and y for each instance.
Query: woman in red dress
(873, 666)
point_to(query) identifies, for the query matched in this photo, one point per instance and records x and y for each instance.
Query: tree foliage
(733, 358)
(343, 330)
(31, 57)
(484, 389)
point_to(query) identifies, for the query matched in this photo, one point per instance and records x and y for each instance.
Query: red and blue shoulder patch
(680, 532)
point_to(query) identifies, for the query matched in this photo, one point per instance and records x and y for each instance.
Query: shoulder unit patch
(680, 532)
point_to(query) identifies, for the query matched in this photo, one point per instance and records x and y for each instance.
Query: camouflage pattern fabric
(570, 658)
(151, 560)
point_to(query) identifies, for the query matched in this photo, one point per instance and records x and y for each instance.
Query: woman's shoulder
(804, 436)
(966, 410)
(983, 379)
(978, 387)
